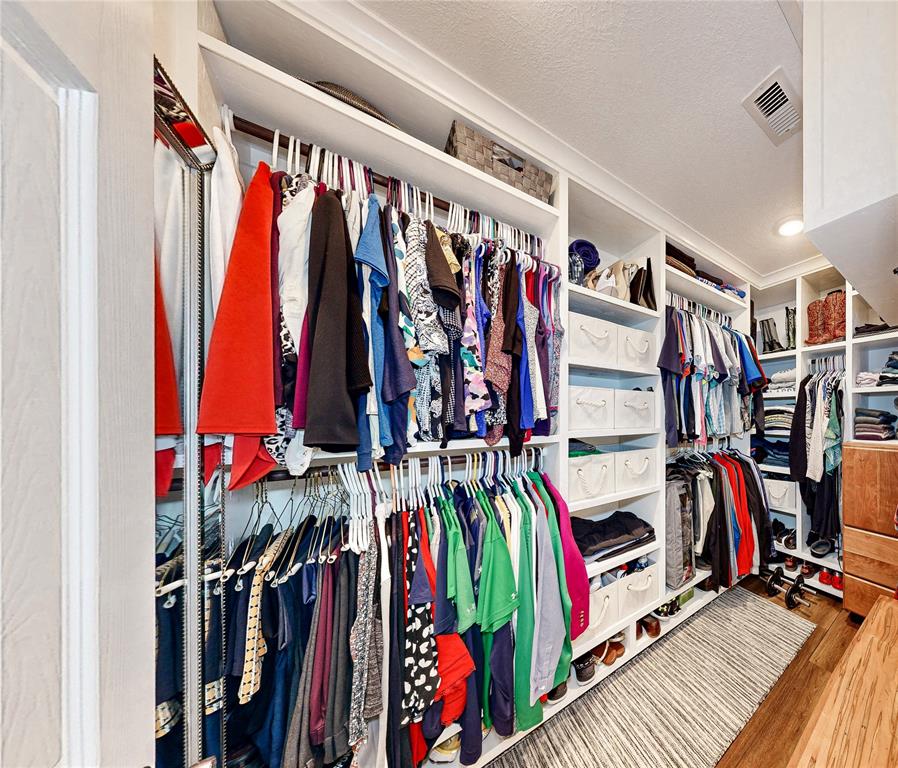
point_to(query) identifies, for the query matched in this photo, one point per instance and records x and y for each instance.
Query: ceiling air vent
(775, 106)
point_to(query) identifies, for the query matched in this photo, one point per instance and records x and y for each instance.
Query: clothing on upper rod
(345, 324)
(711, 377)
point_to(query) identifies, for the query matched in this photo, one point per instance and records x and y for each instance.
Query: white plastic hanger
(275, 149)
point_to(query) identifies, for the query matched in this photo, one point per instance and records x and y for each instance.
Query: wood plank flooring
(772, 733)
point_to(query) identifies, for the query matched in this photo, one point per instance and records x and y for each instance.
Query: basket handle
(635, 473)
(643, 588)
(597, 336)
(605, 604)
(595, 403)
(639, 352)
(585, 483)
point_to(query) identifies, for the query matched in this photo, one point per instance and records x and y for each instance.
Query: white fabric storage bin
(590, 476)
(636, 349)
(781, 494)
(637, 590)
(604, 609)
(633, 409)
(634, 470)
(591, 407)
(593, 341)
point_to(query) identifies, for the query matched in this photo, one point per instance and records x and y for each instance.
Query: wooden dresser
(869, 503)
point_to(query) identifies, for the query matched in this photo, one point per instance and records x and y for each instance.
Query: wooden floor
(770, 736)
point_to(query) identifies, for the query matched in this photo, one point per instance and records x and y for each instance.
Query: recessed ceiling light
(790, 227)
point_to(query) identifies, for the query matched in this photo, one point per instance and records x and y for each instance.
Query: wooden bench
(855, 721)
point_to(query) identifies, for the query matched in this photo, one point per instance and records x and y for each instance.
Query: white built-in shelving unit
(856, 353)
(256, 71)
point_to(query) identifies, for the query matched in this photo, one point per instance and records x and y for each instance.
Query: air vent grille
(775, 107)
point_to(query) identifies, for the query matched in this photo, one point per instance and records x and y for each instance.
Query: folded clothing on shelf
(772, 452)
(874, 424)
(867, 379)
(783, 377)
(868, 328)
(679, 260)
(615, 534)
(778, 417)
(889, 373)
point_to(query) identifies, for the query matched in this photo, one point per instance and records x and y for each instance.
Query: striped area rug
(681, 702)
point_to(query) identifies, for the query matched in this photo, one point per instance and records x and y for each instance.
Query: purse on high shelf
(642, 287)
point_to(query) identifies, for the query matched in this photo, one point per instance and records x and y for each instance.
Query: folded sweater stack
(679, 260)
(778, 417)
(619, 532)
(873, 424)
(867, 379)
(782, 381)
(772, 452)
(889, 374)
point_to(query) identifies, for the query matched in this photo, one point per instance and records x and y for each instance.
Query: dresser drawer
(591, 407)
(871, 556)
(634, 470)
(781, 494)
(870, 487)
(636, 349)
(634, 409)
(593, 341)
(590, 476)
(860, 594)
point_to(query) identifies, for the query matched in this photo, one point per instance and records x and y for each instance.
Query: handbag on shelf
(642, 287)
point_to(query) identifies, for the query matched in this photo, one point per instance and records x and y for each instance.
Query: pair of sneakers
(607, 653)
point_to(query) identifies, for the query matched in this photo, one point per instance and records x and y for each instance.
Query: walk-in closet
(450, 384)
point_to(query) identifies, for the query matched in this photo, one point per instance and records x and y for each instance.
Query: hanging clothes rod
(697, 308)
(265, 134)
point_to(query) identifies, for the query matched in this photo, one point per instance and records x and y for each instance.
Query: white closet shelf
(889, 389)
(786, 353)
(690, 288)
(700, 575)
(814, 582)
(592, 365)
(771, 468)
(868, 443)
(780, 395)
(598, 567)
(873, 338)
(266, 95)
(830, 561)
(433, 449)
(699, 601)
(585, 434)
(832, 346)
(611, 498)
(611, 308)
(771, 432)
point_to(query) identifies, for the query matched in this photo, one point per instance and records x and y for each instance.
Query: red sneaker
(826, 576)
(838, 581)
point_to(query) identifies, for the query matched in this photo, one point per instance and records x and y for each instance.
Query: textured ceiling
(652, 91)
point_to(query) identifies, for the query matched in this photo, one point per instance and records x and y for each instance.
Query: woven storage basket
(483, 153)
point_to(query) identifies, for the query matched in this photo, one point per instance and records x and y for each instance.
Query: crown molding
(792, 271)
(357, 28)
